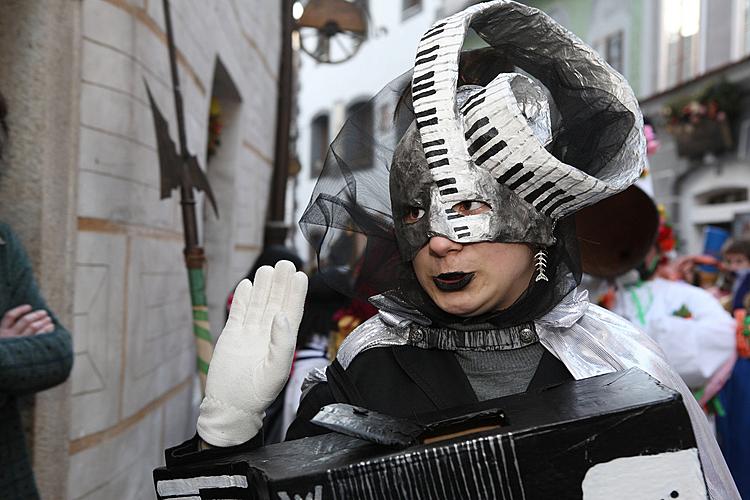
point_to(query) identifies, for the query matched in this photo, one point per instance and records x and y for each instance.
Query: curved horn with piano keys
(594, 149)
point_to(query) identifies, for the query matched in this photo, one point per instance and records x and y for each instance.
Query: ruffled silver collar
(397, 325)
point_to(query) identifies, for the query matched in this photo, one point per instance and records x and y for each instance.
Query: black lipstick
(452, 282)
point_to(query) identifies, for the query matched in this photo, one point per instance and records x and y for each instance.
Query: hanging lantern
(331, 31)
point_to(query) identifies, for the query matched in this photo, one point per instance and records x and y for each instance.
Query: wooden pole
(276, 228)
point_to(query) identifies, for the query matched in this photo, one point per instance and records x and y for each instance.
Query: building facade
(329, 93)
(670, 51)
(706, 188)
(82, 189)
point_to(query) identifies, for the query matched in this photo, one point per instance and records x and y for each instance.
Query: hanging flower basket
(694, 140)
(701, 124)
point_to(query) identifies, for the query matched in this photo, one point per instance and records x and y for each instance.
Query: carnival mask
(480, 162)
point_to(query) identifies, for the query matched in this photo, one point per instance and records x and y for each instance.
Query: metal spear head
(173, 175)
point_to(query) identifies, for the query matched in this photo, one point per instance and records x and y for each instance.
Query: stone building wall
(133, 387)
(39, 61)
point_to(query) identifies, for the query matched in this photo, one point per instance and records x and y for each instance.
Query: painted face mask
(480, 163)
(471, 205)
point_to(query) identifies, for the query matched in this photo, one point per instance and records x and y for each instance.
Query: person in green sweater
(36, 352)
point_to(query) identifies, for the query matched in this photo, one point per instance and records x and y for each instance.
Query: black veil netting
(349, 221)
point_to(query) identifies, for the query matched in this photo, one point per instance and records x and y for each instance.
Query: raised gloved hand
(253, 355)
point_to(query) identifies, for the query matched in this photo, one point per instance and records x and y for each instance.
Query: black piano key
(461, 228)
(427, 93)
(427, 51)
(525, 177)
(426, 112)
(424, 123)
(438, 163)
(552, 196)
(473, 105)
(425, 60)
(559, 202)
(436, 27)
(436, 142)
(477, 125)
(482, 140)
(491, 152)
(436, 152)
(473, 98)
(510, 173)
(424, 86)
(462, 235)
(446, 182)
(448, 191)
(432, 33)
(539, 191)
(424, 77)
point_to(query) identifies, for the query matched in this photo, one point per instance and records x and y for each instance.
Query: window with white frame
(614, 51)
(318, 143)
(410, 7)
(721, 196)
(681, 22)
(359, 150)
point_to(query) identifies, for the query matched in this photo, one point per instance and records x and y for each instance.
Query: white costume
(697, 346)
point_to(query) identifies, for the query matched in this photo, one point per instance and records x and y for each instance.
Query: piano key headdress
(535, 145)
(493, 143)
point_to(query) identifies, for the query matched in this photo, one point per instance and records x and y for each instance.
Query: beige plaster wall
(133, 390)
(39, 57)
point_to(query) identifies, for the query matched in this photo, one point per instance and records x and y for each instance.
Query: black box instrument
(619, 435)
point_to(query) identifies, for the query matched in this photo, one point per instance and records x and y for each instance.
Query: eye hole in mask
(471, 207)
(413, 214)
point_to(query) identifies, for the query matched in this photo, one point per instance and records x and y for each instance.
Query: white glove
(253, 355)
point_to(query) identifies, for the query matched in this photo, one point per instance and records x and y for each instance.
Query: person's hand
(253, 355)
(21, 321)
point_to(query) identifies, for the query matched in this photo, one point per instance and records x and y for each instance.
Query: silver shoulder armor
(370, 334)
(315, 376)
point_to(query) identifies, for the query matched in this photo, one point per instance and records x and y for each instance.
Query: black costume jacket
(402, 381)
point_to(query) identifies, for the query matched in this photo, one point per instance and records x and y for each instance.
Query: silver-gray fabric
(397, 325)
(494, 374)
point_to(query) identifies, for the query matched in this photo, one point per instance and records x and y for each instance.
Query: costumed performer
(465, 204)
